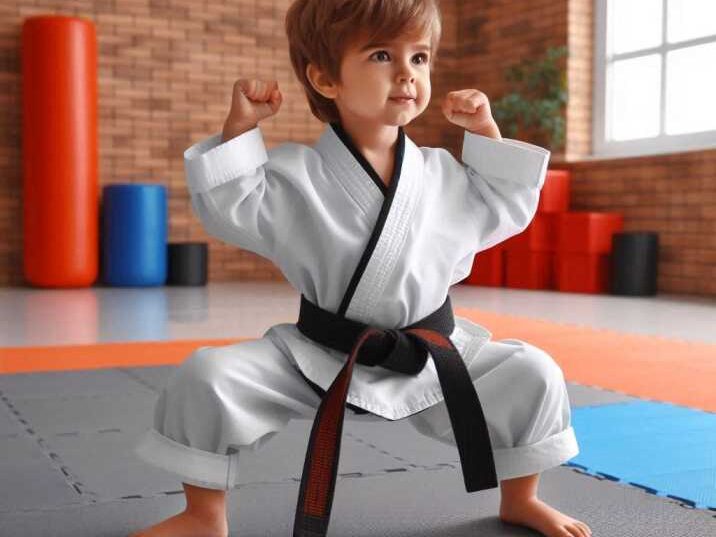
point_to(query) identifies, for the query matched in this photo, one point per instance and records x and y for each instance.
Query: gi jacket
(385, 256)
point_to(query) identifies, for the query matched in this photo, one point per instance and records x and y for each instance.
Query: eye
(423, 56)
(376, 54)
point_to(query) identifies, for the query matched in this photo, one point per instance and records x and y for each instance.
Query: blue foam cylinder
(134, 234)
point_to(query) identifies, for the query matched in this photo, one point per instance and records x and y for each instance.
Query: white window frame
(663, 143)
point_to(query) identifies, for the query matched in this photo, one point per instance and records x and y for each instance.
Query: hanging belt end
(309, 526)
(481, 483)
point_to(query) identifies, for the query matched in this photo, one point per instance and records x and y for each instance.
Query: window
(654, 76)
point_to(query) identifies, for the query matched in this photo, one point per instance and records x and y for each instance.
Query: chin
(400, 121)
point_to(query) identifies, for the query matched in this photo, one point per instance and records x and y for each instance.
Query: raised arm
(229, 176)
(228, 183)
(506, 176)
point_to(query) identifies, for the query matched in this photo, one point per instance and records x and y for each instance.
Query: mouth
(402, 99)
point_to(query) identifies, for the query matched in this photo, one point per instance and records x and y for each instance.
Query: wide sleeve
(506, 177)
(237, 189)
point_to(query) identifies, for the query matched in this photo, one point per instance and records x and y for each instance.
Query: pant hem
(212, 470)
(535, 458)
(194, 466)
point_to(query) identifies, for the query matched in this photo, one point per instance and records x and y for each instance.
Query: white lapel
(391, 241)
(349, 173)
(391, 211)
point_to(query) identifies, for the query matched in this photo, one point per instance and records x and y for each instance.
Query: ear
(321, 82)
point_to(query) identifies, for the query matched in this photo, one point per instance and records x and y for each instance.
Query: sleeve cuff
(511, 160)
(210, 163)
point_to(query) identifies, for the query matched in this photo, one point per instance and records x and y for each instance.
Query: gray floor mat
(155, 377)
(69, 383)
(68, 469)
(62, 415)
(397, 505)
(580, 395)
(29, 478)
(282, 457)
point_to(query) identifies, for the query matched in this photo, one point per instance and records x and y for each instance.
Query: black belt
(404, 350)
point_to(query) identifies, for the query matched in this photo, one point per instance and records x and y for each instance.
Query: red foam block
(529, 270)
(587, 232)
(539, 236)
(582, 273)
(554, 197)
(487, 268)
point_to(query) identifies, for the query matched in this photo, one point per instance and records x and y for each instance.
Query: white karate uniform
(312, 212)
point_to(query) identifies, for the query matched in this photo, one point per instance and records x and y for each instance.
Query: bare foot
(536, 514)
(185, 524)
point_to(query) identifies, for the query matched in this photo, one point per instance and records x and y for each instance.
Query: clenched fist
(470, 109)
(251, 101)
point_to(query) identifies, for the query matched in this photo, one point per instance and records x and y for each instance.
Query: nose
(405, 72)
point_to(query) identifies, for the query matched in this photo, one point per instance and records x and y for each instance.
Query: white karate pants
(222, 400)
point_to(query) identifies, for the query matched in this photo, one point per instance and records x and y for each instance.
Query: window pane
(633, 90)
(634, 24)
(690, 89)
(689, 19)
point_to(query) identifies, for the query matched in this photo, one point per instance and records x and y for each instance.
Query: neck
(371, 138)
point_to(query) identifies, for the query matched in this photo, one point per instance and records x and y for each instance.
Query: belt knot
(393, 349)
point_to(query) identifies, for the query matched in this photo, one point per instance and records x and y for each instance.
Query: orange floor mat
(649, 367)
(101, 355)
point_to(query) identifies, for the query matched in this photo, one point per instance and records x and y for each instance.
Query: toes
(587, 529)
(575, 530)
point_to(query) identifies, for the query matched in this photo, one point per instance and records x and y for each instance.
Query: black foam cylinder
(634, 261)
(188, 262)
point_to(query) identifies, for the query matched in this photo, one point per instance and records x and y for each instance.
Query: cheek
(363, 87)
(426, 94)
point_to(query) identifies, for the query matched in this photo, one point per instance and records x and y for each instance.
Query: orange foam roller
(59, 144)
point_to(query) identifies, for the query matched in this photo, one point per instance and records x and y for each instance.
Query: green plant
(534, 106)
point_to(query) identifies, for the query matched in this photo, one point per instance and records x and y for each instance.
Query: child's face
(372, 76)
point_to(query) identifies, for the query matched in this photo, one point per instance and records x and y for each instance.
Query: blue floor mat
(665, 449)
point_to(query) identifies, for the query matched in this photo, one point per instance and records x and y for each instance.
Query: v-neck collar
(387, 210)
(398, 160)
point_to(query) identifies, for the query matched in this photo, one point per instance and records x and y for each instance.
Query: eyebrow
(376, 45)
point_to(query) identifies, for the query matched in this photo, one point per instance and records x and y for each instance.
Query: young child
(371, 229)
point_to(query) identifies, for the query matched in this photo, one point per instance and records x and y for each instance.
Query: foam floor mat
(69, 470)
(665, 449)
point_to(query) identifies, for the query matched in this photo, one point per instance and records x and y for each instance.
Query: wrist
(232, 130)
(491, 131)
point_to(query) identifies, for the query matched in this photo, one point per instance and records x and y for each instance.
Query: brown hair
(320, 32)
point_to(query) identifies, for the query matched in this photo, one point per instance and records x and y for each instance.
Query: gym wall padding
(59, 151)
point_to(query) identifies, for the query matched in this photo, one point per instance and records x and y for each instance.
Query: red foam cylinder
(59, 135)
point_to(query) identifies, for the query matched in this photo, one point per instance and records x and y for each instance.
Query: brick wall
(166, 68)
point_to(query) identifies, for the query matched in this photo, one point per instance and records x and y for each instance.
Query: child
(372, 230)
